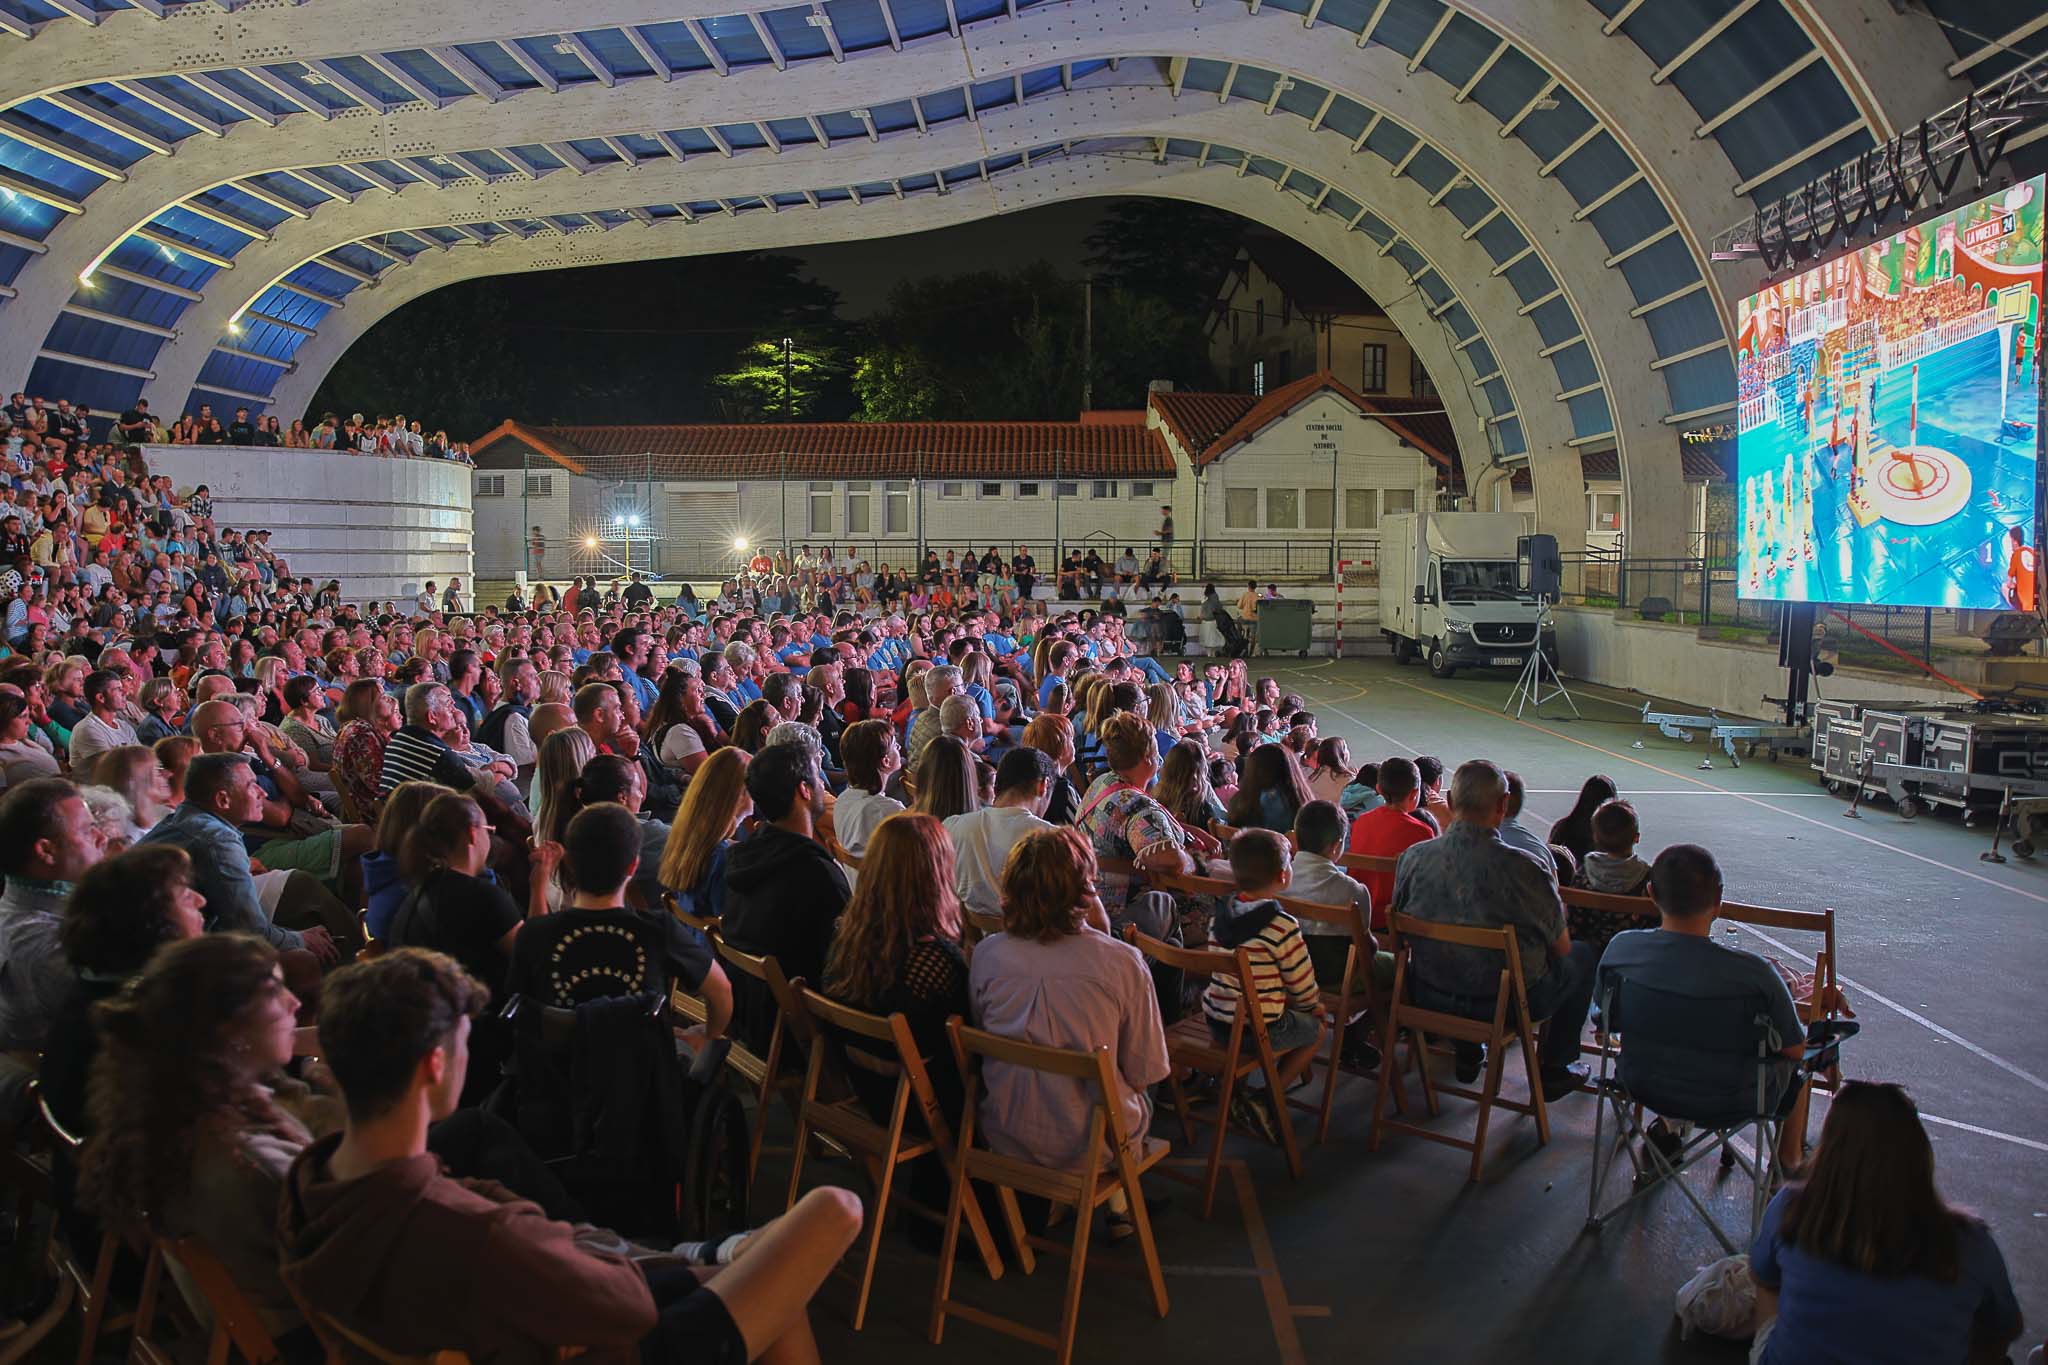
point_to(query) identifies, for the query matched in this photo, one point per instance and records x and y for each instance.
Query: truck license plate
(1506, 660)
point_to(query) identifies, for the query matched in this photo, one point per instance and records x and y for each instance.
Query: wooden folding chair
(1084, 1190)
(1191, 1046)
(1510, 1022)
(766, 1074)
(92, 1287)
(344, 1342)
(1343, 1002)
(830, 1106)
(685, 1004)
(237, 1326)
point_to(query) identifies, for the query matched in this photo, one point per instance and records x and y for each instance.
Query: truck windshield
(1467, 580)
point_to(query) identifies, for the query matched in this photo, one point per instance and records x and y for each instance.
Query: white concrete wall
(1296, 452)
(1662, 659)
(381, 525)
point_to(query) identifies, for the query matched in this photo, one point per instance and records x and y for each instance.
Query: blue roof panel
(46, 171)
(858, 23)
(102, 340)
(101, 390)
(799, 39)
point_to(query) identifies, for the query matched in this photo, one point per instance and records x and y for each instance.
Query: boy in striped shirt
(1282, 974)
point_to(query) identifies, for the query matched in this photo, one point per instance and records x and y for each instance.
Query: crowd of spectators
(211, 769)
(35, 422)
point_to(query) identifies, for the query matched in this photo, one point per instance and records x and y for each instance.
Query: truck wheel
(1909, 809)
(2023, 848)
(1404, 650)
(1440, 665)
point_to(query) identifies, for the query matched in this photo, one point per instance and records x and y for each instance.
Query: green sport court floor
(1393, 1257)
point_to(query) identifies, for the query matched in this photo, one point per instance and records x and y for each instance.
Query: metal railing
(1221, 561)
(1703, 591)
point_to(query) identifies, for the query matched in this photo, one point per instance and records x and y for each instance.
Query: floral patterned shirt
(1120, 821)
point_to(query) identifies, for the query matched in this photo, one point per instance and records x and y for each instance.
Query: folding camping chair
(1714, 1062)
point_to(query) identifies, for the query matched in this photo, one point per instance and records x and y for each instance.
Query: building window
(1419, 382)
(540, 485)
(1283, 509)
(1361, 509)
(1258, 379)
(1027, 490)
(1374, 375)
(1606, 512)
(991, 490)
(1141, 490)
(1240, 509)
(1318, 506)
(820, 508)
(896, 494)
(490, 485)
(952, 490)
(1394, 500)
(1260, 329)
(857, 523)
(1104, 488)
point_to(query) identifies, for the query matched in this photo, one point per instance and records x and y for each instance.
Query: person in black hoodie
(783, 891)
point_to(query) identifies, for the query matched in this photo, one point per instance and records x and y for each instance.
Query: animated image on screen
(1890, 401)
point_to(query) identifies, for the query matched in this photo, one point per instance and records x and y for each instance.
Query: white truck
(1451, 591)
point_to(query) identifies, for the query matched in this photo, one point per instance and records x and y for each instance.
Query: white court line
(1950, 1035)
(1926, 1117)
(2001, 1063)
(1688, 791)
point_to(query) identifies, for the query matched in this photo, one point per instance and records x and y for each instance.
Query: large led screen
(1889, 429)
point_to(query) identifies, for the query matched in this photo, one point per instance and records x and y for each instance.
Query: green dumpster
(1284, 625)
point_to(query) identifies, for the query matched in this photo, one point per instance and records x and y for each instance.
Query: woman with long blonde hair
(693, 859)
(561, 760)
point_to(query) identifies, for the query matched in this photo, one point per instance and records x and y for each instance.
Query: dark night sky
(864, 272)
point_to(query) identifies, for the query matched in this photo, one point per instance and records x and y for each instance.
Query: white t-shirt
(855, 815)
(982, 841)
(92, 737)
(681, 742)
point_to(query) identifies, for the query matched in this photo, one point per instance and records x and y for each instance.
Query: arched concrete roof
(210, 199)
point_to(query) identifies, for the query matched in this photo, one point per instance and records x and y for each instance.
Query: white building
(1268, 486)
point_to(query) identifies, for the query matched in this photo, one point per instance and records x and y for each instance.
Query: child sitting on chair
(1283, 975)
(1611, 868)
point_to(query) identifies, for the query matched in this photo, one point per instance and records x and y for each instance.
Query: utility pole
(1087, 344)
(787, 414)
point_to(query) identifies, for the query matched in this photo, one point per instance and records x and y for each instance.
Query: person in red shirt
(1385, 831)
(2020, 573)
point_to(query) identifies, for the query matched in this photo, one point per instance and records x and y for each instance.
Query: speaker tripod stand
(1538, 685)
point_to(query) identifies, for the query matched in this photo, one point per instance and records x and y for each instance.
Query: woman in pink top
(1055, 977)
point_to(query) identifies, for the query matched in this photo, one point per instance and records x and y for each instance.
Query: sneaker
(1471, 1059)
(1563, 1081)
(1251, 1113)
(1359, 1052)
(1122, 1226)
(720, 1252)
(1666, 1141)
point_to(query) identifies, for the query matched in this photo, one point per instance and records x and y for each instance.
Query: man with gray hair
(804, 736)
(1469, 877)
(940, 682)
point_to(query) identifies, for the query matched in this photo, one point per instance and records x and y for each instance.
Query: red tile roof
(843, 450)
(1211, 425)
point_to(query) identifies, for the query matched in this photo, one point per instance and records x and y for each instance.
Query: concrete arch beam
(1042, 36)
(1863, 41)
(1060, 180)
(1571, 251)
(1114, 112)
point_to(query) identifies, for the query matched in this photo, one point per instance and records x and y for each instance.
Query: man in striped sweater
(1283, 977)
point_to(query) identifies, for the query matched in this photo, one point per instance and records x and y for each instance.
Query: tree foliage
(781, 380)
(604, 344)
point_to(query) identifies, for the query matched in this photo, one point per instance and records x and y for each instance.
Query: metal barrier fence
(1703, 591)
(1222, 561)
